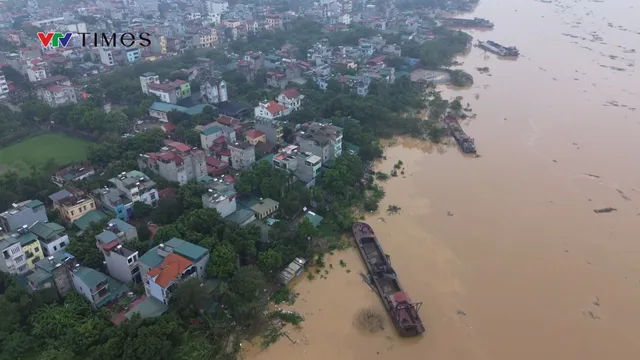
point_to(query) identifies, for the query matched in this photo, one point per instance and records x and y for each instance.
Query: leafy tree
(245, 295)
(141, 210)
(269, 262)
(167, 211)
(223, 262)
(189, 298)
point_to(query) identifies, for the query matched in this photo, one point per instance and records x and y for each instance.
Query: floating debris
(592, 176)
(449, 213)
(624, 196)
(605, 210)
(461, 313)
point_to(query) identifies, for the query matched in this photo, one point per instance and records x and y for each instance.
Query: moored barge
(466, 143)
(494, 47)
(467, 23)
(403, 313)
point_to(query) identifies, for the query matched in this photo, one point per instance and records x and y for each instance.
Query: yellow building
(255, 136)
(72, 204)
(163, 45)
(31, 249)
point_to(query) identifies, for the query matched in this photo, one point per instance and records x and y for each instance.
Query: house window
(62, 244)
(92, 205)
(22, 268)
(55, 248)
(15, 250)
(36, 249)
(72, 212)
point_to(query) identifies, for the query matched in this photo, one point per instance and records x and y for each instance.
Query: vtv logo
(55, 39)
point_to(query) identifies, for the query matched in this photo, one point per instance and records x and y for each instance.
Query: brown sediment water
(505, 251)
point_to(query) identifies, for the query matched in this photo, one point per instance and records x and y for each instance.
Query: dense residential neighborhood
(222, 159)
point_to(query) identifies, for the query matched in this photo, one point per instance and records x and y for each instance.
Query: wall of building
(37, 253)
(81, 288)
(54, 246)
(76, 211)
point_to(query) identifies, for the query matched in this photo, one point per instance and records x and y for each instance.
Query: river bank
(523, 269)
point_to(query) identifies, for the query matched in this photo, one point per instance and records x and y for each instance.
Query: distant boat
(470, 23)
(498, 49)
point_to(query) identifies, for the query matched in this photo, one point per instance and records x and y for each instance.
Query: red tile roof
(291, 93)
(167, 193)
(161, 87)
(274, 108)
(227, 120)
(178, 145)
(169, 127)
(169, 270)
(254, 134)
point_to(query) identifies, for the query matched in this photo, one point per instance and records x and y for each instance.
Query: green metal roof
(46, 231)
(116, 289)
(151, 257)
(211, 130)
(191, 251)
(58, 258)
(39, 277)
(92, 216)
(8, 241)
(27, 238)
(121, 225)
(90, 277)
(106, 237)
(314, 218)
(150, 307)
(165, 107)
(34, 203)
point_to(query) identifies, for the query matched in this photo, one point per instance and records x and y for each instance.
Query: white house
(160, 281)
(291, 98)
(214, 91)
(270, 110)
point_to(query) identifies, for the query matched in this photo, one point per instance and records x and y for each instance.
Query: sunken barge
(467, 23)
(500, 50)
(466, 143)
(403, 313)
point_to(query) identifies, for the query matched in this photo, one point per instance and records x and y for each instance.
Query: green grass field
(37, 150)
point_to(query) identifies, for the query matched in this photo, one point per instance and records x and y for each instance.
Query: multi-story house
(59, 95)
(270, 110)
(291, 98)
(36, 70)
(52, 236)
(115, 201)
(305, 166)
(214, 90)
(21, 214)
(322, 140)
(209, 134)
(242, 155)
(159, 44)
(271, 128)
(107, 56)
(166, 92)
(123, 231)
(192, 252)
(12, 260)
(72, 203)
(133, 55)
(277, 80)
(176, 162)
(137, 187)
(4, 87)
(72, 173)
(121, 262)
(31, 247)
(98, 288)
(205, 38)
(216, 6)
(146, 79)
(161, 110)
(224, 202)
(273, 22)
(53, 272)
(160, 281)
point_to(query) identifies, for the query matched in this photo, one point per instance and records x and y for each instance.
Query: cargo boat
(403, 313)
(498, 49)
(468, 23)
(467, 144)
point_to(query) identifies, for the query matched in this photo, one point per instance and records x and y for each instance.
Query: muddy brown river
(505, 251)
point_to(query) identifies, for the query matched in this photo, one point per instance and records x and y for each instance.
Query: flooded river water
(523, 269)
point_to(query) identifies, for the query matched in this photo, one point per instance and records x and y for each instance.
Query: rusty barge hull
(466, 143)
(403, 313)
